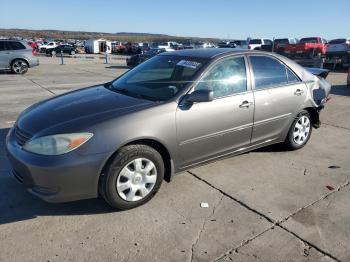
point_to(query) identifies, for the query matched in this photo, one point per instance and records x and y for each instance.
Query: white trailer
(96, 46)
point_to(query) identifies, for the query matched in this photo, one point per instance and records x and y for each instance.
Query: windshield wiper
(132, 94)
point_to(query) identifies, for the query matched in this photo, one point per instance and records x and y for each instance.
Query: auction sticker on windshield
(190, 64)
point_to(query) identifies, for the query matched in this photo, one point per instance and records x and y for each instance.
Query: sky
(227, 19)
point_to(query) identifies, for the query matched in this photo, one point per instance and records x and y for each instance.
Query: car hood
(85, 106)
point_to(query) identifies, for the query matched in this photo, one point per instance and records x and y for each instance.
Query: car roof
(208, 53)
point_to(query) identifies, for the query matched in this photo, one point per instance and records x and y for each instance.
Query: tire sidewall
(111, 194)
(291, 141)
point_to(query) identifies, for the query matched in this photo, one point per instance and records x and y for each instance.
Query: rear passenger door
(279, 97)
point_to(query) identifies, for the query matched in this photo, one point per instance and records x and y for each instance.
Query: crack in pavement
(243, 243)
(336, 126)
(48, 90)
(314, 202)
(271, 220)
(203, 226)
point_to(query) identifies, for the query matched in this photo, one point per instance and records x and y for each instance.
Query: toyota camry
(175, 111)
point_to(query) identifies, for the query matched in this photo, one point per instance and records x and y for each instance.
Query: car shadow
(16, 204)
(340, 90)
(272, 148)
(6, 72)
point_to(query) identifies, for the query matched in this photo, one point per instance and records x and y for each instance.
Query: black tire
(290, 142)
(72, 52)
(125, 155)
(19, 66)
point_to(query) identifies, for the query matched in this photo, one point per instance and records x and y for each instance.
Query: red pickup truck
(307, 48)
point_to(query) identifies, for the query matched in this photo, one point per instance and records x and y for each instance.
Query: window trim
(214, 63)
(272, 86)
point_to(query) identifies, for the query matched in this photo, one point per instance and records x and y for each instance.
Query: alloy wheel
(20, 67)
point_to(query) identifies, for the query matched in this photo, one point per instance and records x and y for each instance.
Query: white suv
(255, 44)
(49, 45)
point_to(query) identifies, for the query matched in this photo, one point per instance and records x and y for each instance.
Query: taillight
(248, 46)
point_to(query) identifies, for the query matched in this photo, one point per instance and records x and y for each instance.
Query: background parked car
(67, 49)
(338, 51)
(139, 58)
(279, 44)
(308, 47)
(224, 44)
(17, 56)
(255, 44)
(241, 44)
(47, 46)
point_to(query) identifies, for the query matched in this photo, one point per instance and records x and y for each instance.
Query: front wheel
(300, 131)
(133, 177)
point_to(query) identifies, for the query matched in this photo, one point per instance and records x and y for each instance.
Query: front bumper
(61, 178)
(34, 62)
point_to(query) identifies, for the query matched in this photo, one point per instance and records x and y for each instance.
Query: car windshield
(309, 40)
(159, 78)
(255, 42)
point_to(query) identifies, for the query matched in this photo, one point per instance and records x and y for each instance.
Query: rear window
(309, 40)
(292, 78)
(255, 42)
(268, 72)
(337, 41)
(13, 45)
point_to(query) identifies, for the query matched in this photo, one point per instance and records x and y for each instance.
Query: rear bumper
(62, 178)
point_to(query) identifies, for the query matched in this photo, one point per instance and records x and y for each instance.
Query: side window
(2, 46)
(225, 78)
(292, 78)
(268, 72)
(16, 45)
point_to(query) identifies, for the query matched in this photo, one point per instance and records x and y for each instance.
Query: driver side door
(210, 129)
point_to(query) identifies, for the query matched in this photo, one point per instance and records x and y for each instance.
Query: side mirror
(202, 95)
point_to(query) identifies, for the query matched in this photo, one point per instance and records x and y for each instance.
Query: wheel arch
(19, 58)
(314, 115)
(160, 147)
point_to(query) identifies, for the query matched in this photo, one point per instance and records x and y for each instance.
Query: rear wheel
(300, 131)
(133, 177)
(19, 66)
(72, 52)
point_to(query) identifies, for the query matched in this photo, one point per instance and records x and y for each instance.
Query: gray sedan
(175, 111)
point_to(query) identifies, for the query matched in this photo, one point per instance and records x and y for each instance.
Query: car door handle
(245, 104)
(298, 92)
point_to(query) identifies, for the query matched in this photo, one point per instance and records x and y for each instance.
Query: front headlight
(57, 144)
